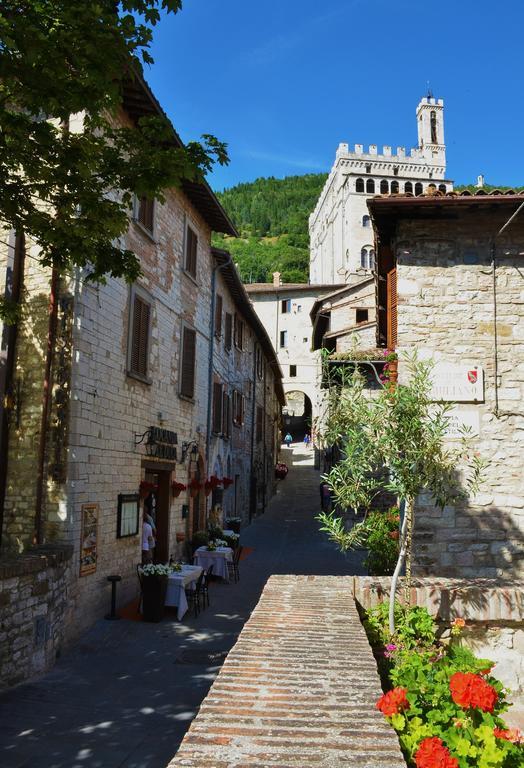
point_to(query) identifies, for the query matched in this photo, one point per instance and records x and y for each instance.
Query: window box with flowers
(194, 488)
(177, 488)
(146, 488)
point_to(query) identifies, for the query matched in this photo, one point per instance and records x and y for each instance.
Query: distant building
(284, 310)
(341, 235)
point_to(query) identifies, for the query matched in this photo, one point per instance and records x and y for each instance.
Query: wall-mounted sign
(463, 422)
(128, 515)
(160, 443)
(457, 383)
(89, 539)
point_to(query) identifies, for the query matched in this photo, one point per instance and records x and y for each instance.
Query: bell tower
(430, 126)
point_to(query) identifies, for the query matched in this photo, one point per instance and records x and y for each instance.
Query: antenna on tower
(430, 92)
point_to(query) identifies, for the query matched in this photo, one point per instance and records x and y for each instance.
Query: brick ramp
(298, 688)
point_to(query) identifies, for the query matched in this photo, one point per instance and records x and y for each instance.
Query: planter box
(153, 597)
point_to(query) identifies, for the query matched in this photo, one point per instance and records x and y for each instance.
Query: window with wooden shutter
(190, 261)
(226, 415)
(260, 421)
(228, 331)
(239, 333)
(392, 317)
(187, 368)
(146, 213)
(140, 318)
(217, 407)
(238, 408)
(218, 316)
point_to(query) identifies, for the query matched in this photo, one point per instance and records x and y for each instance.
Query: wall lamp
(190, 447)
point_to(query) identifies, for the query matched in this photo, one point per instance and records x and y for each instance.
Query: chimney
(276, 279)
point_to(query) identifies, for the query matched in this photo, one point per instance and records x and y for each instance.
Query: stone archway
(297, 414)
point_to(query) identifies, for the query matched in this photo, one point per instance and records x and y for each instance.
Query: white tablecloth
(176, 587)
(227, 532)
(218, 559)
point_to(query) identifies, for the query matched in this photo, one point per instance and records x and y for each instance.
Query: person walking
(288, 440)
(148, 541)
(307, 440)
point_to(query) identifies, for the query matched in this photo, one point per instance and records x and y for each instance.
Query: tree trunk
(405, 545)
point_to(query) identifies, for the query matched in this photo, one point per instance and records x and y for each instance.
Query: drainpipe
(210, 357)
(494, 289)
(38, 537)
(14, 292)
(252, 484)
(264, 449)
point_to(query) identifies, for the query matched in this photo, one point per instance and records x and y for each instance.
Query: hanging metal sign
(160, 443)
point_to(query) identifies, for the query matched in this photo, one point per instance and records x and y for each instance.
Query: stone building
(342, 245)
(126, 413)
(345, 318)
(284, 310)
(450, 284)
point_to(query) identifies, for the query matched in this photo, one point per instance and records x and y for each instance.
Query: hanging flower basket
(177, 488)
(215, 481)
(208, 487)
(226, 482)
(145, 488)
(194, 488)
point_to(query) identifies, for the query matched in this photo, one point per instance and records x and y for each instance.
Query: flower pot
(194, 490)
(180, 537)
(153, 597)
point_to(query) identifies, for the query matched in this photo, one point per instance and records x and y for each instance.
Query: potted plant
(233, 524)
(232, 540)
(177, 488)
(200, 539)
(145, 488)
(153, 578)
(226, 482)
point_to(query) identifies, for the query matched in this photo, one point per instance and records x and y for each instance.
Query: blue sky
(284, 81)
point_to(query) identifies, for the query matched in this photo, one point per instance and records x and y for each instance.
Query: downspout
(210, 355)
(11, 335)
(38, 537)
(252, 484)
(264, 448)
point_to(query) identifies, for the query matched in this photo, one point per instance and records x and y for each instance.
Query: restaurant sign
(160, 443)
(457, 383)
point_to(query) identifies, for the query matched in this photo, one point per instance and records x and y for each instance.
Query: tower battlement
(372, 153)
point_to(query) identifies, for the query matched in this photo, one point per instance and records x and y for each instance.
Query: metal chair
(205, 586)
(232, 565)
(193, 595)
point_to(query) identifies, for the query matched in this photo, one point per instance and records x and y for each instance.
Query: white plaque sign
(463, 418)
(457, 383)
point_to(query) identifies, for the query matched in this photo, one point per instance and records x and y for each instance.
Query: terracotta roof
(290, 287)
(139, 101)
(238, 292)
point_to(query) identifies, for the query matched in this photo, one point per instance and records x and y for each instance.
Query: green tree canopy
(58, 185)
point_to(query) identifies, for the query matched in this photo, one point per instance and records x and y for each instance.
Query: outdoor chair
(205, 587)
(232, 566)
(140, 584)
(193, 595)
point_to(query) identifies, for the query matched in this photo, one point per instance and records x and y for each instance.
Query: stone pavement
(125, 695)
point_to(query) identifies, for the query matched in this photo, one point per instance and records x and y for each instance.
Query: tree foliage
(394, 441)
(272, 216)
(70, 190)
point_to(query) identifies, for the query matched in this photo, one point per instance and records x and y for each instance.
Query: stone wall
(34, 594)
(493, 610)
(446, 311)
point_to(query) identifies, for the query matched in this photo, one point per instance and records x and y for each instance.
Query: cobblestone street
(125, 695)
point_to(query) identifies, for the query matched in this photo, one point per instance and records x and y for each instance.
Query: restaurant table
(227, 532)
(218, 558)
(176, 587)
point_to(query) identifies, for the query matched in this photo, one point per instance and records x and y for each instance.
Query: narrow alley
(126, 694)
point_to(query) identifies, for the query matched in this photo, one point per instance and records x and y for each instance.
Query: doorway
(157, 505)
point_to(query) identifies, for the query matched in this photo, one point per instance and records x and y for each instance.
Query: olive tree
(394, 440)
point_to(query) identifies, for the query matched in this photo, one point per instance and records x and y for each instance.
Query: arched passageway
(297, 414)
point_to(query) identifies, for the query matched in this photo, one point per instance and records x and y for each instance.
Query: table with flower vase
(218, 558)
(176, 587)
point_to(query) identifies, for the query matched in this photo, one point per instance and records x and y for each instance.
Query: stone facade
(460, 303)
(99, 447)
(342, 242)
(284, 311)
(346, 318)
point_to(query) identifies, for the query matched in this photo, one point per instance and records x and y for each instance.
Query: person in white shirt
(148, 542)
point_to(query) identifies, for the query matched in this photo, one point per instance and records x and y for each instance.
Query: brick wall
(298, 688)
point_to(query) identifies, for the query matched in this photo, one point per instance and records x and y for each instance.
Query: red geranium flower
(512, 734)
(432, 753)
(393, 702)
(469, 690)
(393, 534)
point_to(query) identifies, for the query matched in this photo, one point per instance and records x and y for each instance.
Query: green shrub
(200, 539)
(382, 542)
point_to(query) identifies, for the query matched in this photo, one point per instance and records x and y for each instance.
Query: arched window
(394, 186)
(366, 221)
(359, 186)
(370, 186)
(418, 188)
(367, 257)
(441, 187)
(433, 125)
(384, 187)
(408, 187)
